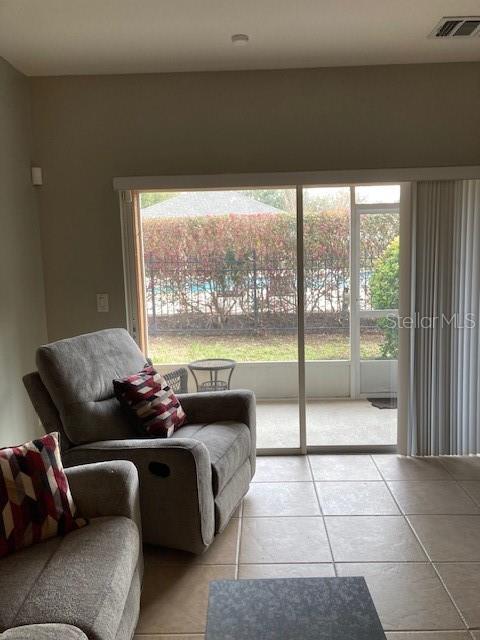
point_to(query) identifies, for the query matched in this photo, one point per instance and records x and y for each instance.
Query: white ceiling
(58, 37)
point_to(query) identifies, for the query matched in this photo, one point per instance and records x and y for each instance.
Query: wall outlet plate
(102, 303)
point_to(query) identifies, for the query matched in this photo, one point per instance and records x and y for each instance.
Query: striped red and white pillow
(35, 499)
(150, 402)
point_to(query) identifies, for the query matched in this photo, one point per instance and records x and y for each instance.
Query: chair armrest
(216, 406)
(44, 632)
(175, 477)
(106, 489)
(238, 405)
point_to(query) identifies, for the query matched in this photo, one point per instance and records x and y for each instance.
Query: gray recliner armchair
(190, 484)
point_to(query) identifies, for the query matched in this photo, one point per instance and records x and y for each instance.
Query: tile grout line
(458, 481)
(239, 540)
(422, 546)
(364, 515)
(322, 515)
(413, 632)
(444, 467)
(307, 481)
(467, 493)
(394, 632)
(339, 562)
(167, 635)
(442, 582)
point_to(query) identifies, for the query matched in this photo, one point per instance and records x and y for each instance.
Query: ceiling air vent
(457, 27)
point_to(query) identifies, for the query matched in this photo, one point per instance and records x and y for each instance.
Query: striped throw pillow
(35, 499)
(150, 402)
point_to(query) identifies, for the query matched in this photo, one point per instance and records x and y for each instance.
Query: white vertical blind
(444, 374)
(465, 378)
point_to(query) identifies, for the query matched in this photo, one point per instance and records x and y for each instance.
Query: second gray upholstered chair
(190, 484)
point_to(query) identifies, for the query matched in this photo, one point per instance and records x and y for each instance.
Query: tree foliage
(246, 264)
(147, 198)
(384, 291)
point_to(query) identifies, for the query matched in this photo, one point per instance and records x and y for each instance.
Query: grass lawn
(174, 349)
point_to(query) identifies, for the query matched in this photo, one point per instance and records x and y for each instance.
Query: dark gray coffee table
(292, 609)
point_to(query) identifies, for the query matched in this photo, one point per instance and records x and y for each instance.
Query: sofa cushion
(35, 499)
(19, 573)
(228, 444)
(44, 632)
(81, 580)
(78, 374)
(150, 403)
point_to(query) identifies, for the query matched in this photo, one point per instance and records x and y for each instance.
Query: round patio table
(213, 366)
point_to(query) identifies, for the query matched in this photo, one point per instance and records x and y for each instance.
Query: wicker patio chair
(178, 380)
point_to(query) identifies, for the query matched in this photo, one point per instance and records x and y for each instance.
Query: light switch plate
(102, 303)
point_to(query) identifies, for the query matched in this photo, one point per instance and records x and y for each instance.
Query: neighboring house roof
(207, 203)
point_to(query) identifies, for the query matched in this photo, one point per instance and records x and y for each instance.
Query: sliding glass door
(292, 293)
(327, 277)
(220, 290)
(375, 315)
(351, 249)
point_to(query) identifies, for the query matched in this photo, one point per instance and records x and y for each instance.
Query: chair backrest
(77, 374)
(43, 405)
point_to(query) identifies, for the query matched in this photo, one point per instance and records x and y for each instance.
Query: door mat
(383, 403)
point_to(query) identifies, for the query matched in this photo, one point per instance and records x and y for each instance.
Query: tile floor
(329, 422)
(410, 526)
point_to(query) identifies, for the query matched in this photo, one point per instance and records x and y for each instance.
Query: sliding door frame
(302, 400)
(129, 187)
(354, 297)
(356, 313)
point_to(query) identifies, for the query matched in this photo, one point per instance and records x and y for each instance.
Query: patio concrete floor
(329, 423)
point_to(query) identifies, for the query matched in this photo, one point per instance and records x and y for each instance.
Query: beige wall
(91, 129)
(22, 315)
